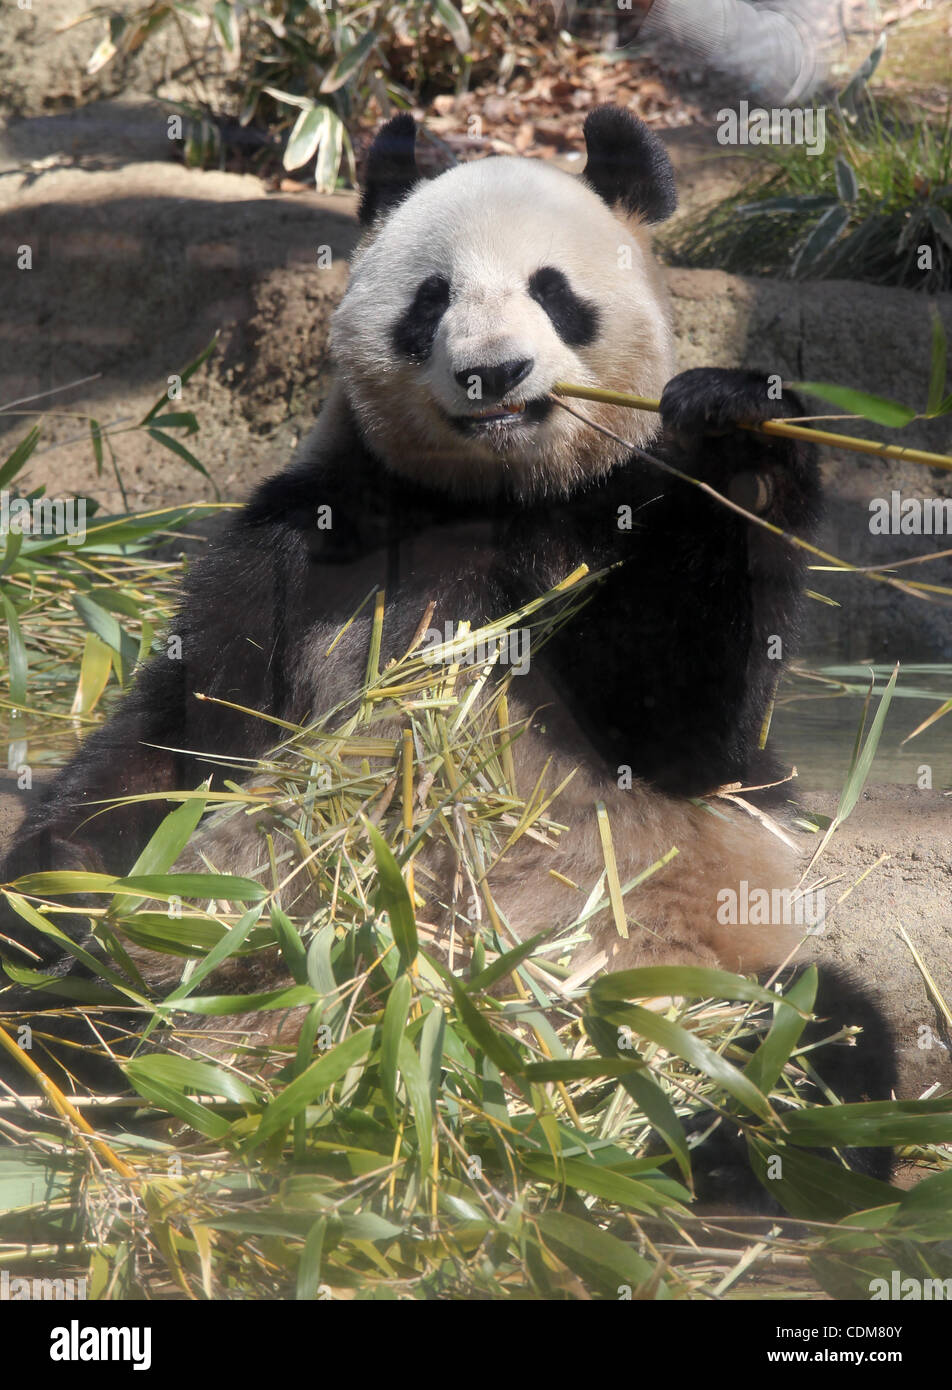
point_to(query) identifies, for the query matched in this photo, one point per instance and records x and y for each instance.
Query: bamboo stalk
(65, 1108)
(782, 427)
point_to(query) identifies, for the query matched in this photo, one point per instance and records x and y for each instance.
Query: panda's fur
(511, 274)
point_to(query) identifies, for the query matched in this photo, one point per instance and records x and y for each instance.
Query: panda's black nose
(491, 383)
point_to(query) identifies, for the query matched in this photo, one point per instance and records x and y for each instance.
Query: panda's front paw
(717, 400)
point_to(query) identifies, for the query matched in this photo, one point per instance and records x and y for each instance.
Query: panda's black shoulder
(294, 496)
(337, 507)
(329, 510)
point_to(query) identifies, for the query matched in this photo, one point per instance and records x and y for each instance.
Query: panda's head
(473, 292)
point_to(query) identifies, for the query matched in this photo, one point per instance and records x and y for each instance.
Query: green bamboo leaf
(160, 853)
(862, 765)
(499, 1049)
(846, 185)
(446, 11)
(582, 1174)
(306, 1088)
(367, 1225)
(348, 63)
(12, 548)
(60, 883)
(433, 1037)
(186, 1074)
(94, 672)
(222, 886)
(71, 947)
(17, 663)
(109, 630)
(320, 969)
(115, 602)
(774, 1052)
(309, 1268)
(225, 18)
(290, 98)
(594, 1253)
(419, 1092)
(681, 981)
(293, 949)
(15, 461)
(173, 1099)
(168, 840)
(30, 1179)
(876, 408)
(305, 138)
(64, 986)
(872, 1124)
(219, 1005)
(812, 1188)
(229, 944)
(394, 1023)
(927, 1207)
(186, 936)
(175, 447)
(828, 229)
(178, 420)
(327, 166)
(95, 434)
(393, 898)
(583, 1068)
(676, 1039)
(505, 964)
(286, 1224)
(660, 1114)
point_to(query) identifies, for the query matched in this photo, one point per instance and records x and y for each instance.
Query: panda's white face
(482, 289)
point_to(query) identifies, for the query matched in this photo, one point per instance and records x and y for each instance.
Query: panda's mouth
(503, 416)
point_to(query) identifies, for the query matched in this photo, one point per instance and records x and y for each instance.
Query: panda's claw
(717, 400)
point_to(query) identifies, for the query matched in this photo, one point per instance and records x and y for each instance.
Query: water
(814, 728)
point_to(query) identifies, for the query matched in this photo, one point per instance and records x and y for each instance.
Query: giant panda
(453, 478)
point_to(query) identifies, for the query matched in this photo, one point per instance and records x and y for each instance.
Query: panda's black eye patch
(574, 319)
(415, 329)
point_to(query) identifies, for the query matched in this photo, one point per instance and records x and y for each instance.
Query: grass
(863, 209)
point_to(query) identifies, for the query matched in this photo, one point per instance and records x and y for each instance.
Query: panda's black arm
(778, 480)
(671, 667)
(702, 413)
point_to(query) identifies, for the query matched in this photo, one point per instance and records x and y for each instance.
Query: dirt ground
(137, 262)
(902, 839)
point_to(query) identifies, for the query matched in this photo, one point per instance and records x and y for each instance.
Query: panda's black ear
(628, 164)
(391, 169)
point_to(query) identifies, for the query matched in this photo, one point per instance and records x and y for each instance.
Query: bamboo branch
(782, 427)
(913, 586)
